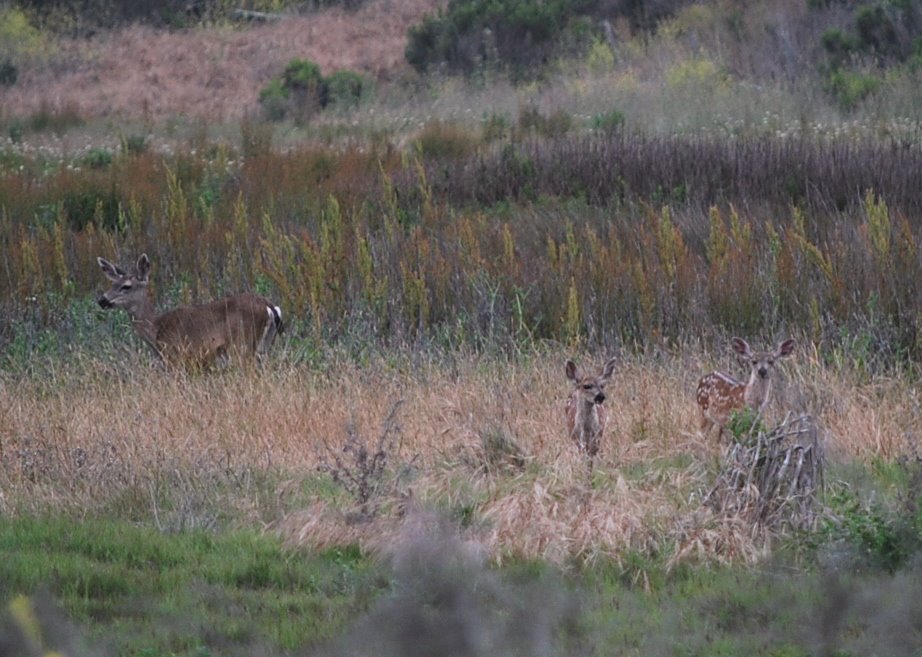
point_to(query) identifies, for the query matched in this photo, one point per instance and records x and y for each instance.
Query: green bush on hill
(302, 91)
(521, 35)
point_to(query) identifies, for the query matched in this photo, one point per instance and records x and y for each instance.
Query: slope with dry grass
(213, 73)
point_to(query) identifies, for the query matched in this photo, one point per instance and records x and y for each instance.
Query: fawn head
(590, 388)
(128, 290)
(584, 411)
(762, 362)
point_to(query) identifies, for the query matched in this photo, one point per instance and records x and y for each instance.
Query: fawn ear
(608, 369)
(572, 372)
(143, 267)
(741, 347)
(786, 348)
(112, 272)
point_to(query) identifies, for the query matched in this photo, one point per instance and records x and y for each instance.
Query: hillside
(208, 72)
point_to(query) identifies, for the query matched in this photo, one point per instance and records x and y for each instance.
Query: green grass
(131, 590)
(141, 592)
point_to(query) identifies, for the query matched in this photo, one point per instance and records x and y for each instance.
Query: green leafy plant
(745, 423)
(609, 122)
(8, 73)
(97, 158)
(347, 88)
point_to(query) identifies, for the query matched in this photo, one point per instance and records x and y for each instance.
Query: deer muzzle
(104, 302)
(599, 398)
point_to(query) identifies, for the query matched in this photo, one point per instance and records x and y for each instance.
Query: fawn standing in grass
(585, 414)
(244, 324)
(719, 394)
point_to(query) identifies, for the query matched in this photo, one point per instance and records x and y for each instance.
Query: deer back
(719, 395)
(237, 325)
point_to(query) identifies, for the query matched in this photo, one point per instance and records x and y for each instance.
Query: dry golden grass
(208, 72)
(98, 439)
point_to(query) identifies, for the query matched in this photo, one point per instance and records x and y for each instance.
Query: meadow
(401, 459)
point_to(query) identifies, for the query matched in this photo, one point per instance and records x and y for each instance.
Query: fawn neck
(757, 389)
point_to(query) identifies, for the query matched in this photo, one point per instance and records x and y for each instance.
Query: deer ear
(786, 348)
(143, 267)
(741, 347)
(112, 272)
(571, 371)
(609, 368)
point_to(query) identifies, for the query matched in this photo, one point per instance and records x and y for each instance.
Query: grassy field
(396, 478)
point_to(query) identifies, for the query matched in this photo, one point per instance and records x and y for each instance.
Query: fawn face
(719, 394)
(584, 418)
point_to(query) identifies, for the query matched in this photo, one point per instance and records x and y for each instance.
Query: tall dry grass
(244, 447)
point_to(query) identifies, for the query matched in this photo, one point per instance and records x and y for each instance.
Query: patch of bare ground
(213, 73)
(483, 441)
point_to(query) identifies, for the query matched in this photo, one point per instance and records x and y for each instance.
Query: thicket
(628, 239)
(522, 35)
(302, 90)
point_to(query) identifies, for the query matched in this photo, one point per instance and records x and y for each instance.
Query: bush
(91, 206)
(850, 88)
(882, 537)
(134, 144)
(744, 424)
(274, 100)
(609, 122)
(346, 88)
(521, 36)
(302, 90)
(8, 73)
(97, 158)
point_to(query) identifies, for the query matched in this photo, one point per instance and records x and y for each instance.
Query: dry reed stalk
(773, 479)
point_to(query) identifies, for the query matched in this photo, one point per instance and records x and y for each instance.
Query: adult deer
(585, 415)
(244, 324)
(719, 394)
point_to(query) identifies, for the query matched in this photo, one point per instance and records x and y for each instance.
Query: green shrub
(134, 144)
(8, 73)
(97, 158)
(495, 127)
(745, 423)
(610, 122)
(850, 88)
(346, 88)
(302, 75)
(302, 90)
(839, 45)
(882, 537)
(92, 205)
(274, 100)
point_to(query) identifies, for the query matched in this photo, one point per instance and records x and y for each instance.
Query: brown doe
(719, 394)
(585, 413)
(194, 336)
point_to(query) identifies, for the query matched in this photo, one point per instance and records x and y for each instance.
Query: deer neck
(144, 320)
(587, 417)
(757, 389)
